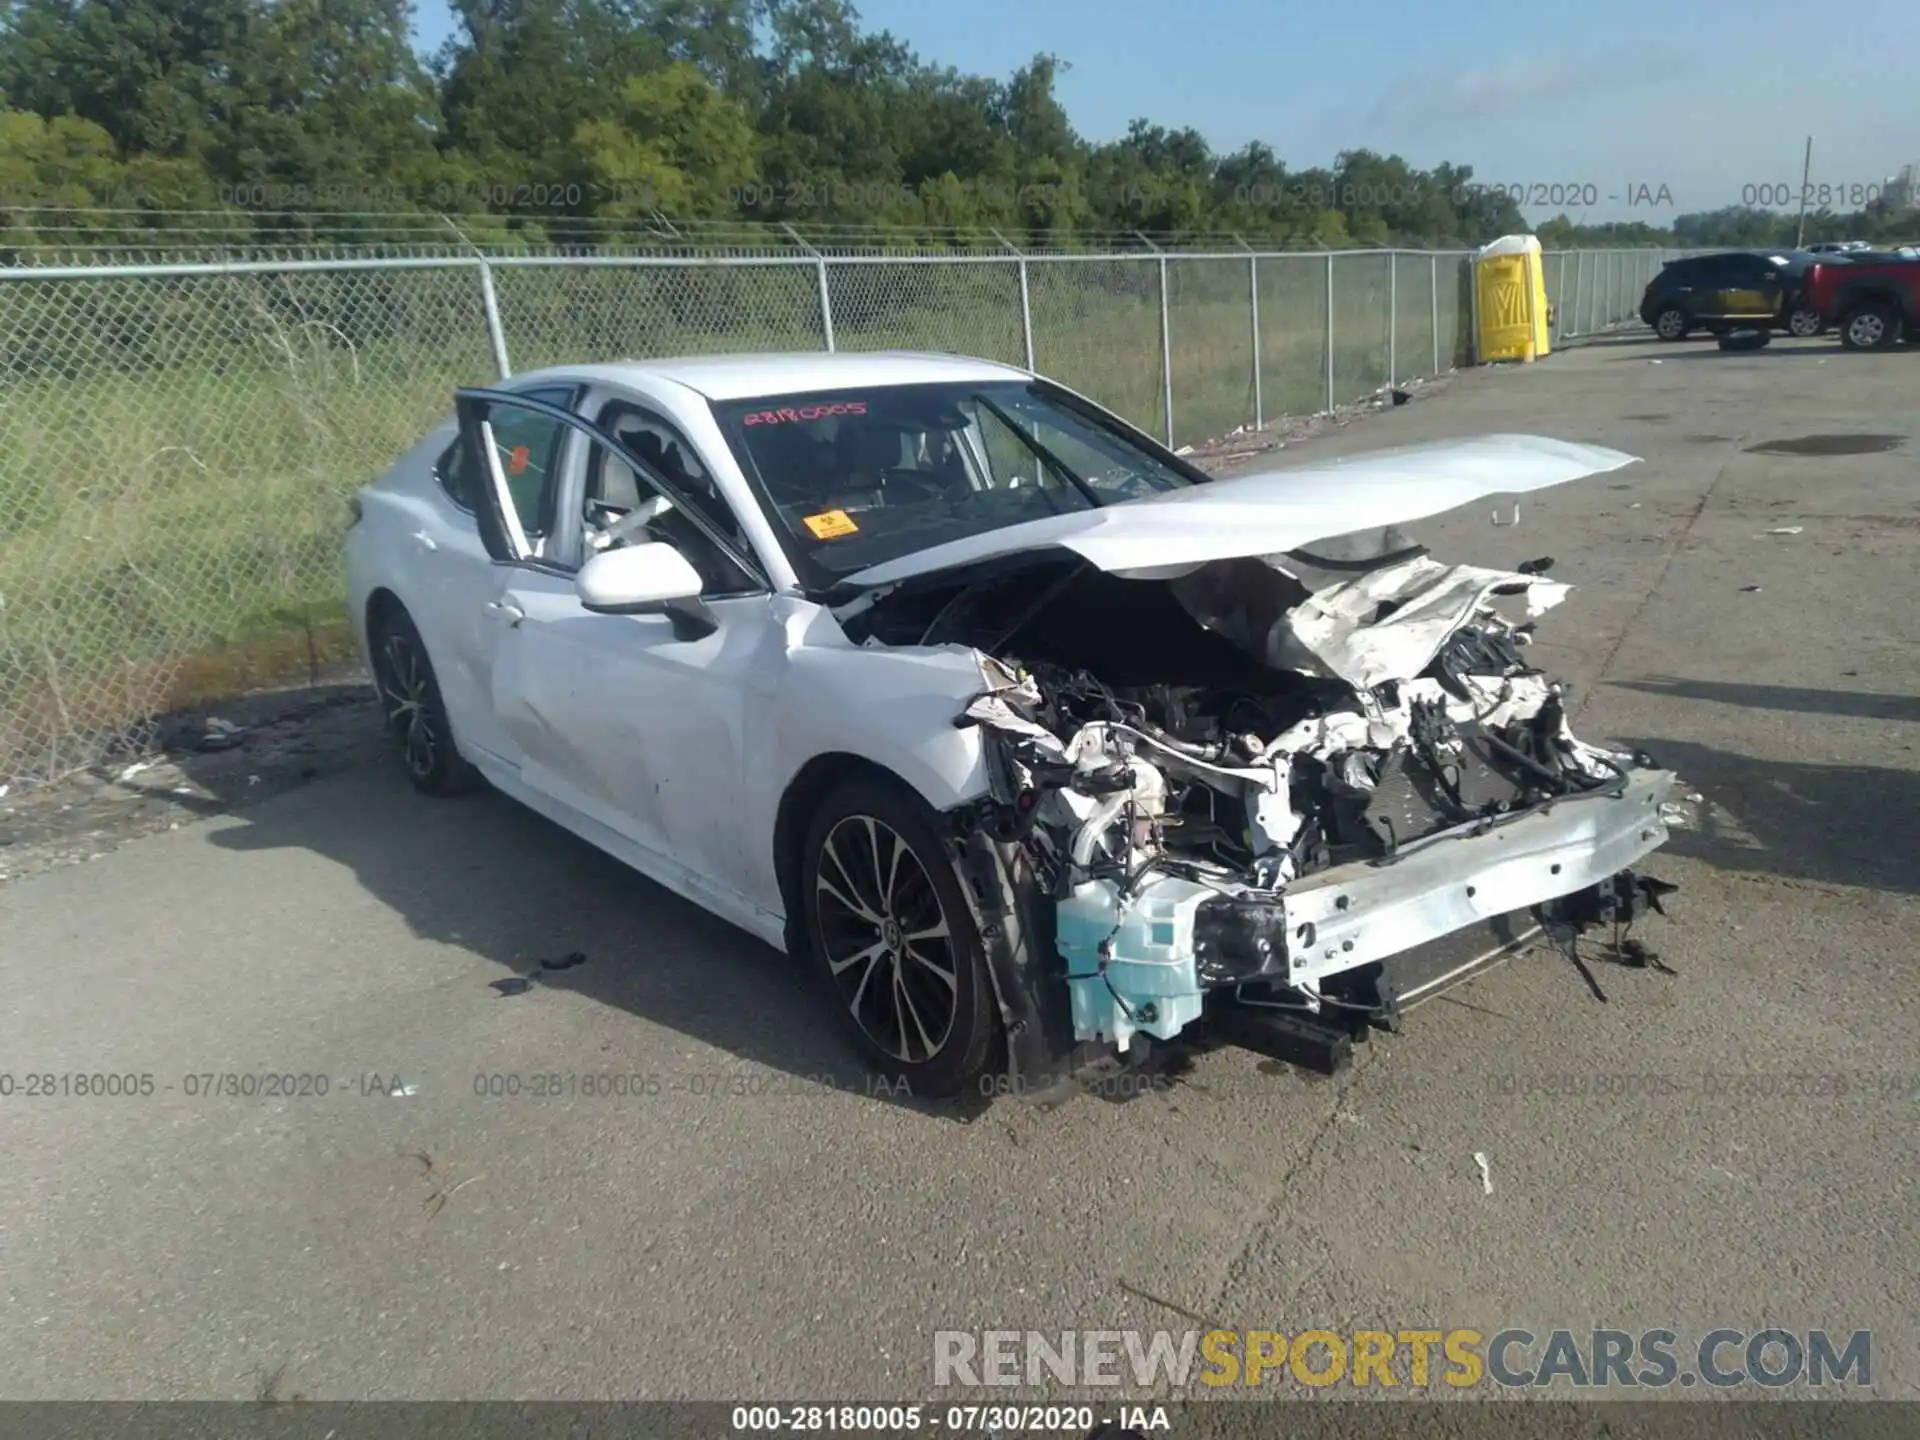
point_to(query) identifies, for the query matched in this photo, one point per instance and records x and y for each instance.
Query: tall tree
(674, 144)
(334, 102)
(155, 75)
(523, 76)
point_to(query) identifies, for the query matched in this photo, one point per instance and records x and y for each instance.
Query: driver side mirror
(636, 580)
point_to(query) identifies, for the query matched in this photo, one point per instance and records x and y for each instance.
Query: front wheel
(1873, 326)
(1671, 323)
(894, 941)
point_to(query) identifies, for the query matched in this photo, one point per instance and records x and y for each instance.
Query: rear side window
(524, 484)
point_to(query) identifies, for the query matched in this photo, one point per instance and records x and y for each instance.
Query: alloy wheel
(408, 695)
(1803, 323)
(886, 939)
(1670, 324)
(1867, 329)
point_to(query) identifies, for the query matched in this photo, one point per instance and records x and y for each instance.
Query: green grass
(176, 454)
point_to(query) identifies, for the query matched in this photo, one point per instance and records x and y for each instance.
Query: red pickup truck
(1875, 302)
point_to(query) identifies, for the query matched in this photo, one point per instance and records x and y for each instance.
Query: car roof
(738, 377)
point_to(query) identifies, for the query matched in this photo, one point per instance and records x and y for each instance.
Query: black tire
(1672, 323)
(1805, 323)
(1874, 325)
(416, 716)
(874, 873)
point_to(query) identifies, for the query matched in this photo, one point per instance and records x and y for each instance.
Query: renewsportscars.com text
(1458, 1358)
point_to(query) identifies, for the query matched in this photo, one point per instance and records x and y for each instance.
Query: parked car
(1022, 731)
(1873, 299)
(1838, 247)
(1734, 290)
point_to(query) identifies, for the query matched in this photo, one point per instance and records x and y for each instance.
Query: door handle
(424, 540)
(507, 611)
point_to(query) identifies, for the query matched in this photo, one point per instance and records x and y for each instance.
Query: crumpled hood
(1335, 632)
(1164, 535)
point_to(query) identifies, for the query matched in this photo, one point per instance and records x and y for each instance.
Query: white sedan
(1026, 733)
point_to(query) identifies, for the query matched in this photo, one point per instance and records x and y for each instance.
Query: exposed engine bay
(1263, 776)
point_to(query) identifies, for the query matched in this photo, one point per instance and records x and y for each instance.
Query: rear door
(460, 579)
(1747, 287)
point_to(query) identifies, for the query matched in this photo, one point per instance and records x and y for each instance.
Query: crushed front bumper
(1150, 966)
(1354, 915)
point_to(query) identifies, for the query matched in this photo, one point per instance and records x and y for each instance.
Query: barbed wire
(56, 235)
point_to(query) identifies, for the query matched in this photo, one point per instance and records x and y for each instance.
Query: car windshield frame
(745, 421)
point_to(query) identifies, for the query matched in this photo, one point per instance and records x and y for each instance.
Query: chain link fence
(178, 442)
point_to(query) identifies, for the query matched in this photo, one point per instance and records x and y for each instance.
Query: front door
(635, 722)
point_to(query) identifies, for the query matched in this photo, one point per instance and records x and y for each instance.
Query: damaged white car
(1029, 735)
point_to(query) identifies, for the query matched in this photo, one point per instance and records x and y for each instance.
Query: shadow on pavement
(1709, 350)
(492, 878)
(1779, 697)
(1849, 825)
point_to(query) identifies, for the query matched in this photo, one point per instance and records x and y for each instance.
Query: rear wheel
(1872, 326)
(894, 941)
(1805, 323)
(415, 713)
(1671, 323)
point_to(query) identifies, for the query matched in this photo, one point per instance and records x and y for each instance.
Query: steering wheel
(619, 531)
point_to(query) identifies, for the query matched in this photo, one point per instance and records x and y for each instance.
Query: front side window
(626, 506)
(452, 474)
(856, 478)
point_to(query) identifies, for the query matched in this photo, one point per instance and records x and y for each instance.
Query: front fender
(894, 708)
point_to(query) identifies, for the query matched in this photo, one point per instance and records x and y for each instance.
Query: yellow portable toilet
(1510, 290)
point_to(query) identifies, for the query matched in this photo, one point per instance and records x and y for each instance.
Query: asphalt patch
(1829, 445)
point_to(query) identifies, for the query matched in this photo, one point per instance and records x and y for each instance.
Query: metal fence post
(1329, 331)
(1166, 343)
(1433, 296)
(826, 302)
(1026, 302)
(1559, 326)
(496, 333)
(489, 301)
(1473, 306)
(1393, 318)
(820, 272)
(1026, 315)
(1166, 351)
(1253, 297)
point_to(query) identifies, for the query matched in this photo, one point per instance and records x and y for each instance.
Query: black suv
(1734, 290)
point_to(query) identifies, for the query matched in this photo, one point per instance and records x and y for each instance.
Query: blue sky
(1708, 99)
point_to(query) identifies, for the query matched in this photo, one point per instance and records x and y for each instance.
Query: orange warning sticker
(517, 462)
(831, 525)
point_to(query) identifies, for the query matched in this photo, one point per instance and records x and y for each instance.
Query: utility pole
(1806, 170)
